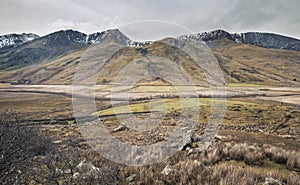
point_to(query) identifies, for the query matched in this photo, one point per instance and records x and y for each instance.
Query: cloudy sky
(45, 16)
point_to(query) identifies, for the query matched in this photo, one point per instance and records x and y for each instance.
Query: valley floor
(258, 140)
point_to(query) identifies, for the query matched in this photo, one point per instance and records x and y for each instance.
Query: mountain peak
(13, 40)
(64, 37)
(266, 40)
(208, 36)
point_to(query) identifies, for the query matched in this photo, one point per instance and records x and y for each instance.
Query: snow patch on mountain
(12, 40)
(136, 44)
(67, 37)
(266, 40)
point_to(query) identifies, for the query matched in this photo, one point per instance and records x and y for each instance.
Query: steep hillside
(53, 46)
(239, 63)
(14, 40)
(265, 40)
(53, 59)
(249, 64)
(62, 70)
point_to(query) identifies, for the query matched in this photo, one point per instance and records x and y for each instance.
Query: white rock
(271, 181)
(168, 170)
(119, 128)
(218, 137)
(131, 177)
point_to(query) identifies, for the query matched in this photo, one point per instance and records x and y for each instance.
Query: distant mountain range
(12, 40)
(61, 38)
(19, 51)
(265, 40)
(258, 58)
(65, 37)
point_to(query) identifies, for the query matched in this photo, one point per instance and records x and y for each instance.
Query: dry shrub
(254, 156)
(228, 174)
(289, 158)
(293, 162)
(210, 168)
(293, 179)
(238, 151)
(145, 174)
(279, 155)
(251, 155)
(212, 155)
(275, 174)
(191, 172)
(109, 172)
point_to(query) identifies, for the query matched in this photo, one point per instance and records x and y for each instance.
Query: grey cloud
(44, 16)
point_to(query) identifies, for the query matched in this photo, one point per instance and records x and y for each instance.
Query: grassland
(258, 138)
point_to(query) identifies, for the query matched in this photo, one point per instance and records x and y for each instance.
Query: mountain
(66, 37)
(268, 40)
(113, 34)
(265, 40)
(13, 40)
(53, 46)
(53, 59)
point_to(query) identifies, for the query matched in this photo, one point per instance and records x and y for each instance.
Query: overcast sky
(45, 16)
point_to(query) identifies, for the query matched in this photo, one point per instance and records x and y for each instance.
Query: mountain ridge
(62, 37)
(53, 46)
(53, 59)
(12, 40)
(261, 39)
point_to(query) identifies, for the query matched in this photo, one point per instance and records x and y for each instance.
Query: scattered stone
(271, 181)
(281, 126)
(168, 170)
(138, 159)
(85, 166)
(59, 171)
(67, 171)
(199, 164)
(174, 145)
(131, 177)
(197, 138)
(190, 151)
(76, 175)
(218, 137)
(57, 142)
(119, 128)
(287, 136)
(187, 138)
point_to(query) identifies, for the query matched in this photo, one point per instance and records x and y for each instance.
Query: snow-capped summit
(208, 36)
(12, 40)
(266, 40)
(113, 34)
(64, 37)
(139, 44)
(79, 40)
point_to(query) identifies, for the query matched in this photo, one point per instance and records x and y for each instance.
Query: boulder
(168, 170)
(271, 181)
(131, 177)
(85, 166)
(187, 138)
(119, 128)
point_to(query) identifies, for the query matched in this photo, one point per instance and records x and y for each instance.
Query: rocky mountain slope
(265, 40)
(53, 59)
(53, 46)
(13, 40)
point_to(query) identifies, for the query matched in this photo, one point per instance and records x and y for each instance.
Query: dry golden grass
(245, 64)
